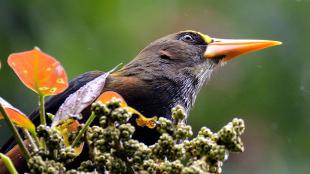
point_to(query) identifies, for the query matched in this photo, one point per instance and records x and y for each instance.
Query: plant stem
(42, 109)
(34, 146)
(83, 130)
(17, 137)
(8, 163)
(37, 141)
(42, 116)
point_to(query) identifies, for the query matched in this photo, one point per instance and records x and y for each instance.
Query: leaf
(67, 127)
(141, 120)
(109, 95)
(17, 117)
(39, 71)
(79, 100)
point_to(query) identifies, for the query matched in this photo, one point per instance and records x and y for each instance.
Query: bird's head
(180, 63)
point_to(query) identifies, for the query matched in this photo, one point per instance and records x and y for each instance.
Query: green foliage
(113, 150)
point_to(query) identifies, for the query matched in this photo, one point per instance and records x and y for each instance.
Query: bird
(169, 71)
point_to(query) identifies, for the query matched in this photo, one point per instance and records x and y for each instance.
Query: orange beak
(228, 49)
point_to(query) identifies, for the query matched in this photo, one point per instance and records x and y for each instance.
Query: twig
(83, 130)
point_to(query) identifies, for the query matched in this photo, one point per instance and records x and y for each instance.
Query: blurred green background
(269, 89)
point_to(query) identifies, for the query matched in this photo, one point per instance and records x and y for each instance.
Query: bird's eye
(187, 38)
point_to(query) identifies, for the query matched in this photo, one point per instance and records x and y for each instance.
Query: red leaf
(39, 72)
(17, 116)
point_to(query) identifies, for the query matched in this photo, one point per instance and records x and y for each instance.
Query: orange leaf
(109, 95)
(67, 127)
(39, 72)
(141, 120)
(17, 116)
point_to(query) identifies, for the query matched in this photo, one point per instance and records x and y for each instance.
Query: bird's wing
(53, 103)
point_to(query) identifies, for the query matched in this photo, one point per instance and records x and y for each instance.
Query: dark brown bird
(168, 72)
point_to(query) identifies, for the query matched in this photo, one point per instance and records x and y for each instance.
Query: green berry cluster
(175, 127)
(50, 136)
(38, 165)
(229, 135)
(54, 145)
(112, 149)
